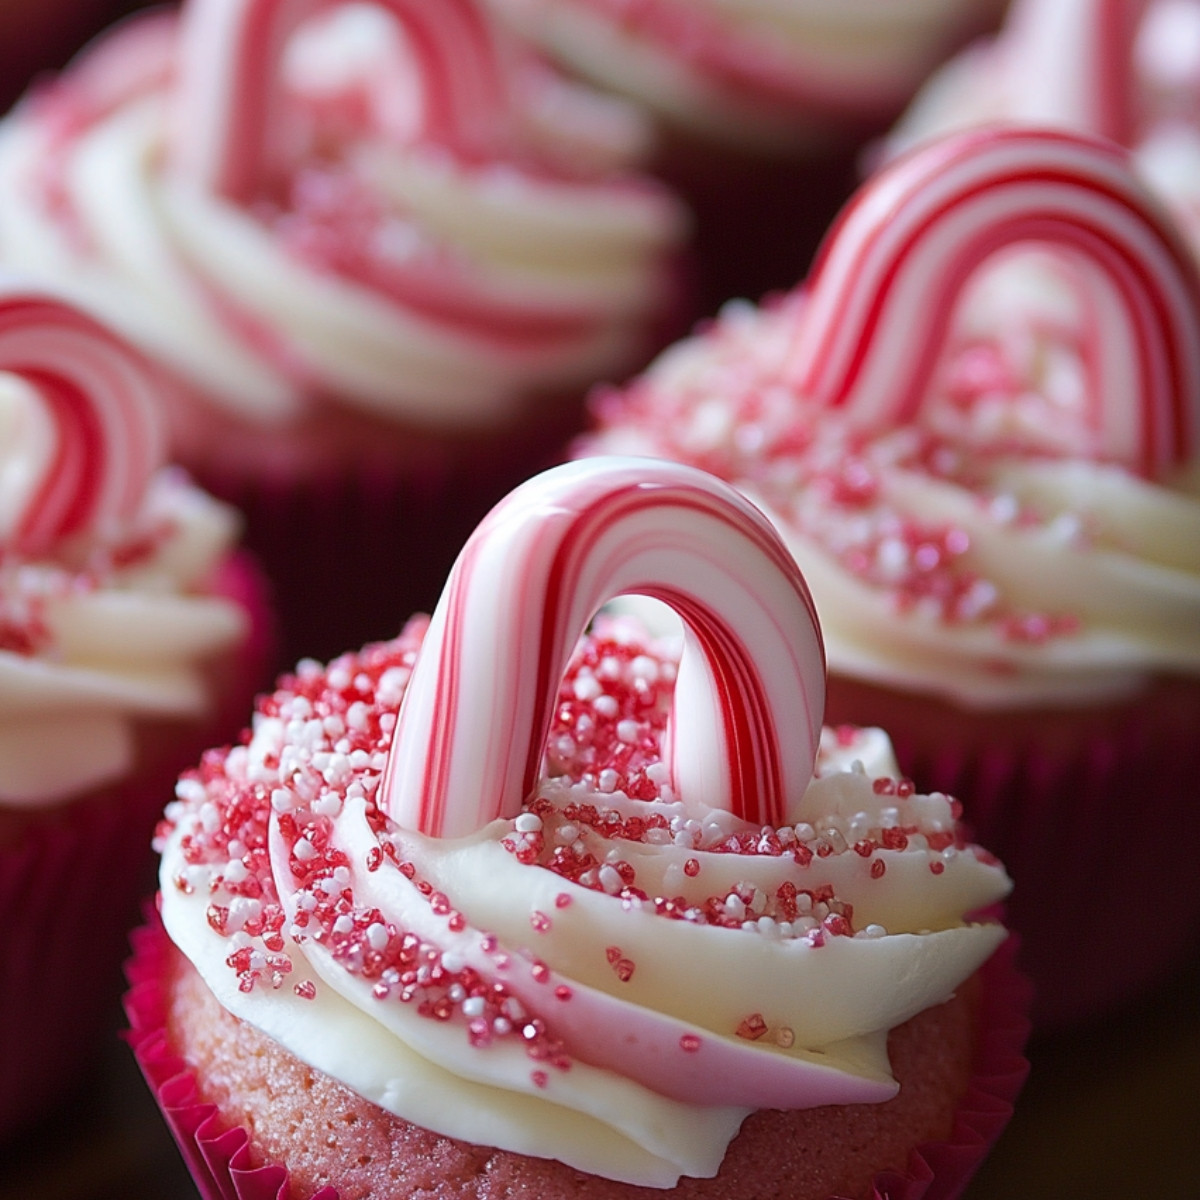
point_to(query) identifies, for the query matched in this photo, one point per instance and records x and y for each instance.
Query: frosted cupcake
(550, 916)
(380, 251)
(990, 478)
(130, 637)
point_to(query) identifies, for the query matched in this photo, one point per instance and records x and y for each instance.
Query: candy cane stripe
(888, 279)
(1090, 87)
(230, 117)
(749, 696)
(101, 401)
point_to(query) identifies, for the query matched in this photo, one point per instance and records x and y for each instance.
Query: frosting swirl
(372, 265)
(606, 977)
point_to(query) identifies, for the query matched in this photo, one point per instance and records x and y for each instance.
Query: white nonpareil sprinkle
(610, 879)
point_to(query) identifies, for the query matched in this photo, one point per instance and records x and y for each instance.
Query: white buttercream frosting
(105, 634)
(982, 552)
(606, 978)
(752, 71)
(379, 273)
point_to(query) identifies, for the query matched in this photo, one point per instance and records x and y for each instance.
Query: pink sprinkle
(540, 1078)
(540, 972)
(562, 900)
(562, 992)
(752, 1028)
(539, 921)
(691, 868)
(689, 1043)
(306, 990)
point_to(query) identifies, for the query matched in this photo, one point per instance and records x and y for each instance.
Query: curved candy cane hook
(750, 691)
(890, 273)
(104, 426)
(229, 103)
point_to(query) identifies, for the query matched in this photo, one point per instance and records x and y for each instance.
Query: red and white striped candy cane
(230, 111)
(891, 271)
(750, 692)
(1069, 63)
(104, 426)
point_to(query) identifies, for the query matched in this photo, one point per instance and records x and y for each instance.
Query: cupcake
(501, 907)
(381, 252)
(761, 106)
(1131, 75)
(131, 636)
(986, 465)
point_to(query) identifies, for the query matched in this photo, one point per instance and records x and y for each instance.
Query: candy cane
(750, 690)
(885, 286)
(1070, 63)
(104, 422)
(229, 113)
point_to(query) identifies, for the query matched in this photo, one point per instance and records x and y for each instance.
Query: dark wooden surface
(1109, 1111)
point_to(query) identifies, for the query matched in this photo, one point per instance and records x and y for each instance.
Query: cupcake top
(590, 897)
(990, 477)
(385, 207)
(107, 557)
(764, 73)
(1131, 74)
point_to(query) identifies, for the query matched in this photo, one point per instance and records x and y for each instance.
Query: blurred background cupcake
(500, 944)
(131, 635)
(1128, 70)
(762, 104)
(380, 251)
(988, 465)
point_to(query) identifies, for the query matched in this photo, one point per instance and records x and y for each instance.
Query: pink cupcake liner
(219, 1155)
(1082, 811)
(70, 883)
